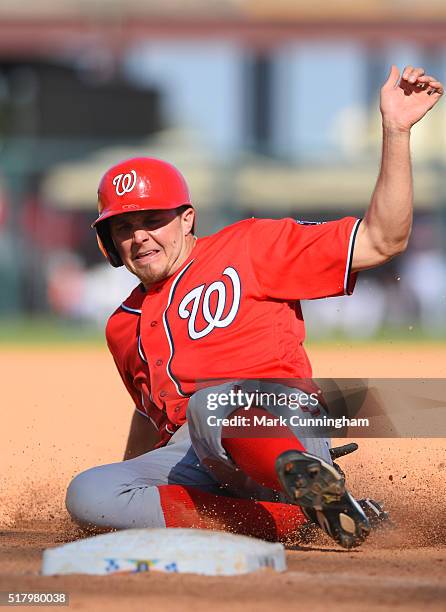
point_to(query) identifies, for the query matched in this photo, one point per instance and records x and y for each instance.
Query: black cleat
(319, 489)
(374, 511)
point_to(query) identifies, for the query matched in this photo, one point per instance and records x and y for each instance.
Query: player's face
(153, 244)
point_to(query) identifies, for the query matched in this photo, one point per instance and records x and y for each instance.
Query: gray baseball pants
(125, 494)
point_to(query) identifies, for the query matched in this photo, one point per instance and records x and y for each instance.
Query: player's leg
(125, 494)
(168, 487)
(274, 461)
(192, 508)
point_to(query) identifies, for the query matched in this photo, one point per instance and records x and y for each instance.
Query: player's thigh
(205, 416)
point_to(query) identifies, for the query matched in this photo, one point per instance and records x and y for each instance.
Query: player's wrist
(391, 128)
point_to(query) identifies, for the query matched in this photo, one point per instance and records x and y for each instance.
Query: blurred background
(269, 109)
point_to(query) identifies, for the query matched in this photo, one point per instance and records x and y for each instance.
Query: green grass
(42, 331)
(48, 331)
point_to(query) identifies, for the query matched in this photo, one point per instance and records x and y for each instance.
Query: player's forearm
(388, 219)
(142, 436)
(386, 227)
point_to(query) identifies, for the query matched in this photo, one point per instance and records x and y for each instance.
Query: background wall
(268, 111)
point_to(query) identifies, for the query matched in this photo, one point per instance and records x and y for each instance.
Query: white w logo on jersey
(213, 319)
(124, 182)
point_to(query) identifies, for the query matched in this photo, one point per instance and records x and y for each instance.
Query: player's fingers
(437, 86)
(414, 74)
(435, 89)
(406, 72)
(393, 78)
(424, 83)
(428, 84)
(425, 78)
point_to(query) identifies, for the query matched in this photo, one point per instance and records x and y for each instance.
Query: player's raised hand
(406, 98)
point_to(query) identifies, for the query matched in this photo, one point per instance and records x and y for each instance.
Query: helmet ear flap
(107, 245)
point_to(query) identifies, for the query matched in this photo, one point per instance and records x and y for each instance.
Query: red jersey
(231, 311)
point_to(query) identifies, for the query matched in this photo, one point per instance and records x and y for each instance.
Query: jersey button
(159, 362)
(163, 393)
(177, 408)
(153, 323)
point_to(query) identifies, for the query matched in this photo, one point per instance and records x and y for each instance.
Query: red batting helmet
(140, 183)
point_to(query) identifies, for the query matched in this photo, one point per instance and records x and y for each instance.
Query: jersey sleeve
(294, 260)
(134, 394)
(117, 341)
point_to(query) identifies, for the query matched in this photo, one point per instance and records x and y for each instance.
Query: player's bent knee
(86, 499)
(105, 497)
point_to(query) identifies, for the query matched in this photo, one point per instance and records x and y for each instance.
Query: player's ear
(188, 220)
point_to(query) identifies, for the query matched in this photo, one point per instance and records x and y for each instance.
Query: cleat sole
(320, 490)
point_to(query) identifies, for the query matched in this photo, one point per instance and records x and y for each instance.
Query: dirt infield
(65, 410)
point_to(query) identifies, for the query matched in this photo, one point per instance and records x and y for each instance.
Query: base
(197, 551)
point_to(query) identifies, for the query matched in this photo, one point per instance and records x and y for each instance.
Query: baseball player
(214, 322)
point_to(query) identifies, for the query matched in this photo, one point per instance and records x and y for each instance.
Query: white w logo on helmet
(124, 182)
